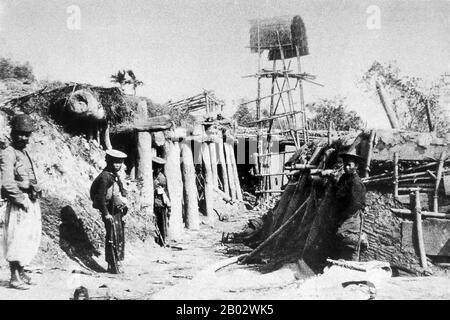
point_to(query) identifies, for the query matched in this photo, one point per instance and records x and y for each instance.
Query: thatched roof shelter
(286, 31)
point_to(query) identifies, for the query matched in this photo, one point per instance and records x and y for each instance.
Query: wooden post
(418, 212)
(235, 172)
(369, 153)
(144, 171)
(223, 172)
(230, 171)
(438, 180)
(106, 138)
(430, 122)
(396, 175)
(387, 107)
(213, 155)
(302, 100)
(189, 187)
(172, 170)
(209, 187)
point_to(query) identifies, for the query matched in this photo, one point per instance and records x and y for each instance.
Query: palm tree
(119, 78)
(133, 81)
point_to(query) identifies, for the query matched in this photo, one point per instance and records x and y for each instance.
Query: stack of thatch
(288, 32)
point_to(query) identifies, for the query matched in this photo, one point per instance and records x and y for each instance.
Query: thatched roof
(287, 31)
(114, 103)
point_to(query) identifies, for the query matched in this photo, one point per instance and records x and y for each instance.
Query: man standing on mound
(108, 196)
(351, 199)
(22, 232)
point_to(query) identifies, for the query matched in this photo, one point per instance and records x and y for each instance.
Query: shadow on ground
(75, 242)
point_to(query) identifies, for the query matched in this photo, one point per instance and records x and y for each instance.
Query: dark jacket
(350, 195)
(17, 175)
(103, 189)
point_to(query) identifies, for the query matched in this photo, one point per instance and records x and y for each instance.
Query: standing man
(22, 231)
(108, 196)
(351, 200)
(162, 201)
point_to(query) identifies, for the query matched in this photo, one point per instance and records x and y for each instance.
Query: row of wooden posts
(219, 168)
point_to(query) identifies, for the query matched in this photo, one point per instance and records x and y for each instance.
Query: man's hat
(22, 122)
(158, 160)
(351, 155)
(115, 154)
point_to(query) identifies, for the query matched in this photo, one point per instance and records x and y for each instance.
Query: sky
(180, 47)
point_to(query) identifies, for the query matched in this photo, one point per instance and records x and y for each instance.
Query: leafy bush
(11, 69)
(335, 111)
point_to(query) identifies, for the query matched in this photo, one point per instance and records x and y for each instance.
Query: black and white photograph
(243, 151)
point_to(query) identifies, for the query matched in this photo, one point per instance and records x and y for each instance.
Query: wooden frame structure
(281, 94)
(203, 101)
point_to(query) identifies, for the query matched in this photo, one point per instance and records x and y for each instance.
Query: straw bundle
(289, 30)
(84, 103)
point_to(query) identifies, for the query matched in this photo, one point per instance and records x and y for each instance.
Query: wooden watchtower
(284, 38)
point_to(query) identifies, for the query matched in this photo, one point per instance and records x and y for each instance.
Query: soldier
(162, 201)
(351, 200)
(22, 231)
(109, 197)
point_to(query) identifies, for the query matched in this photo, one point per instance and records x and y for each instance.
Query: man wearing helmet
(108, 196)
(22, 233)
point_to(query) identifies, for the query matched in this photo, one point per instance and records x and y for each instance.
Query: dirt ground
(185, 270)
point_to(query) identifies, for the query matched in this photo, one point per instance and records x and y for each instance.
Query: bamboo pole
(268, 96)
(230, 171)
(387, 107)
(189, 187)
(438, 180)
(418, 213)
(209, 196)
(223, 172)
(302, 100)
(268, 191)
(414, 189)
(401, 177)
(300, 167)
(144, 171)
(274, 234)
(280, 115)
(395, 175)
(172, 169)
(427, 214)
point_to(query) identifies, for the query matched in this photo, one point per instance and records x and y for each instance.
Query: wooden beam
(158, 123)
(277, 116)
